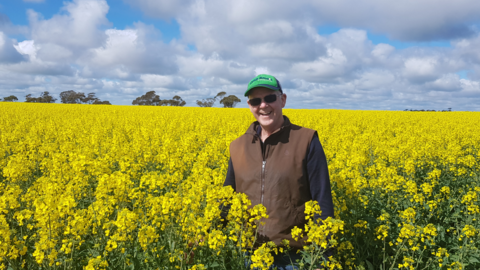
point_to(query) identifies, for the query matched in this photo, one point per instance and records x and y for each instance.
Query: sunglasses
(268, 99)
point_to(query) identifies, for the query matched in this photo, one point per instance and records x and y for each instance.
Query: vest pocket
(297, 214)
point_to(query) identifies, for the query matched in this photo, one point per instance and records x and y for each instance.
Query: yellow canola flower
(113, 179)
(96, 263)
(216, 239)
(469, 231)
(262, 258)
(382, 232)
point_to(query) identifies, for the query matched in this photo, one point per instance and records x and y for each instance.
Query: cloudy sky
(342, 54)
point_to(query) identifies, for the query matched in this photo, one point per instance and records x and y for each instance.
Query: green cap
(264, 80)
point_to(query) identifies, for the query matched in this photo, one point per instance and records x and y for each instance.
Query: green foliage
(230, 101)
(175, 101)
(443, 207)
(72, 97)
(10, 98)
(208, 102)
(45, 97)
(152, 99)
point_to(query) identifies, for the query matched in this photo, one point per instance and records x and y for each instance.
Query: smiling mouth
(265, 114)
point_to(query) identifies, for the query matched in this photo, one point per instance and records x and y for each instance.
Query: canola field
(123, 187)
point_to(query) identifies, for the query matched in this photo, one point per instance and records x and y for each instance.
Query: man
(279, 165)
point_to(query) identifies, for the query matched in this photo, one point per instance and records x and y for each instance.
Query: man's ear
(284, 100)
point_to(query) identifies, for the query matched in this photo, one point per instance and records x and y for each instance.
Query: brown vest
(277, 179)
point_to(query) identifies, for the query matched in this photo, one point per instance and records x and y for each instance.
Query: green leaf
(370, 265)
(454, 258)
(213, 265)
(473, 260)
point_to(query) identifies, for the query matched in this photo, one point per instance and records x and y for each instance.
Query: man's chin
(265, 122)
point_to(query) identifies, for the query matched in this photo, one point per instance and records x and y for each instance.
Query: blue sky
(346, 55)
(120, 14)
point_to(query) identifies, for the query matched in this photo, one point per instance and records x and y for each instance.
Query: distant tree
(208, 102)
(11, 98)
(98, 102)
(72, 97)
(220, 95)
(29, 98)
(230, 101)
(150, 99)
(44, 97)
(90, 98)
(175, 101)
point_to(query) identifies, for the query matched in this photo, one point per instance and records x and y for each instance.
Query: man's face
(269, 115)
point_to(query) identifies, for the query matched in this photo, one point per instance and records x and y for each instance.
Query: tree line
(67, 97)
(228, 102)
(148, 99)
(152, 99)
(410, 110)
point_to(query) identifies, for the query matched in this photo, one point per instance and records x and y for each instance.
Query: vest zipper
(264, 162)
(262, 228)
(263, 181)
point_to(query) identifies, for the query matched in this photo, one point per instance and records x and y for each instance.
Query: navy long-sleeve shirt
(317, 174)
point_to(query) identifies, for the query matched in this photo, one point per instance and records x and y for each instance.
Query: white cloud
(420, 70)
(77, 29)
(27, 47)
(405, 20)
(382, 51)
(153, 80)
(8, 52)
(54, 53)
(79, 49)
(409, 20)
(325, 68)
(470, 89)
(447, 82)
(261, 70)
(129, 52)
(199, 66)
(118, 48)
(467, 49)
(375, 79)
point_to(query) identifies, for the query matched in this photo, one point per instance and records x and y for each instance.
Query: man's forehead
(261, 92)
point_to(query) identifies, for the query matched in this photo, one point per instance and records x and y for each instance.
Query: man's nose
(263, 104)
